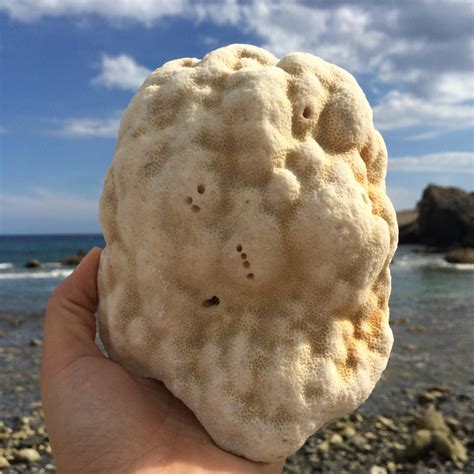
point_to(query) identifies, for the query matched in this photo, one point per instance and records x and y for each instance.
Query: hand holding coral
(99, 417)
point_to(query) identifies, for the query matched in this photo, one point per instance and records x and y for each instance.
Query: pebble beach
(420, 417)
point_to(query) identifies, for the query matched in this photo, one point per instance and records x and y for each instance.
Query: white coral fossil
(249, 238)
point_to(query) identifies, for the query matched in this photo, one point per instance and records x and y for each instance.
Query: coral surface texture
(249, 237)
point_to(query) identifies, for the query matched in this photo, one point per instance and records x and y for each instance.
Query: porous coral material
(249, 238)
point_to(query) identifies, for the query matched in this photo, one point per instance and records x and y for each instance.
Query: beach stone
(360, 443)
(356, 417)
(377, 470)
(452, 422)
(34, 263)
(435, 433)
(391, 466)
(28, 454)
(448, 445)
(460, 255)
(6, 430)
(309, 448)
(336, 438)
(426, 397)
(36, 342)
(421, 442)
(348, 431)
(387, 422)
(4, 462)
(370, 436)
(324, 446)
(25, 420)
(338, 425)
(31, 441)
(50, 467)
(434, 420)
(397, 446)
(439, 388)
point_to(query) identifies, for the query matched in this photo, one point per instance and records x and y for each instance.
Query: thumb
(69, 325)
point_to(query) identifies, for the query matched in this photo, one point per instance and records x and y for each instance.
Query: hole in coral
(214, 301)
(307, 112)
(250, 276)
(243, 255)
(189, 200)
(201, 188)
(195, 208)
(239, 248)
(246, 264)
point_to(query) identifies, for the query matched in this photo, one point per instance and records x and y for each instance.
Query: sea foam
(53, 274)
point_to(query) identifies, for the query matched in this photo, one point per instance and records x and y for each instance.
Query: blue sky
(69, 68)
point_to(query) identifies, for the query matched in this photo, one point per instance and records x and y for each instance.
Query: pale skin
(102, 419)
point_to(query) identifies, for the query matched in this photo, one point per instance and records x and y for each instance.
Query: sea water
(27, 289)
(417, 278)
(431, 311)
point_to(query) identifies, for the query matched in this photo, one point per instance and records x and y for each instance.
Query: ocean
(23, 289)
(419, 280)
(431, 313)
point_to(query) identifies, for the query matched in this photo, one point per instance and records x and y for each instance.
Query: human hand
(101, 418)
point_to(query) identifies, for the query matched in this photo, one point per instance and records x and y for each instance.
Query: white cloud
(447, 162)
(88, 127)
(220, 12)
(453, 87)
(402, 110)
(341, 33)
(121, 72)
(44, 204)
(423, 136)
(421, 53)
(143, 11)
(209, 41)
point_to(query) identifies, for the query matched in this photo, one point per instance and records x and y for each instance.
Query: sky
(69, 68)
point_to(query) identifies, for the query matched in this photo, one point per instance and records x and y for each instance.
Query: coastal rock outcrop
(444, 218)
(407, 227)
(74, 259)
(460, 255)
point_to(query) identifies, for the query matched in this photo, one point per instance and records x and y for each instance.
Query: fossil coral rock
(248, 244)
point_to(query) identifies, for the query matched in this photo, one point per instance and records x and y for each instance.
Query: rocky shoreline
(443, 221)
(419, 428)
(421, 440)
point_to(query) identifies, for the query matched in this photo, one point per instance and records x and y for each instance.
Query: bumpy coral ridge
(249, 238)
